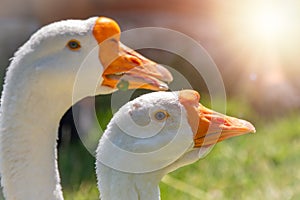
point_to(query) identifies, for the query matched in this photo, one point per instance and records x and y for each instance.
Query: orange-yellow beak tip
(249, 127)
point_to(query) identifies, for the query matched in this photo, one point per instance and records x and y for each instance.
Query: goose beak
(123, 67)
(210, 127)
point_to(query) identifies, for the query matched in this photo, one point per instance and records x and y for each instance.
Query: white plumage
(153, 135)
(59, 60)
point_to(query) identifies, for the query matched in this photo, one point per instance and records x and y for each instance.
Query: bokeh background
(255, 45)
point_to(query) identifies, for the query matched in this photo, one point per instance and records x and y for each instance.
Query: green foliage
(76, 165)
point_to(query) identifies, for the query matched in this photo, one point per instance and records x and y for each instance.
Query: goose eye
(74, 45)
(161, 115)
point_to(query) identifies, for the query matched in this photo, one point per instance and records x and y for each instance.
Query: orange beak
(210, 127)
(124, 67)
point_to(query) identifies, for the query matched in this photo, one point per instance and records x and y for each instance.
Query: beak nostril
(219, 120)
(135, 61)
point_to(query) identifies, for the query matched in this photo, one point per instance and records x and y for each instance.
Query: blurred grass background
(260, 72)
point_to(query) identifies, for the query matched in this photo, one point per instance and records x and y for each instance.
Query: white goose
(38, 90)
(154, 135)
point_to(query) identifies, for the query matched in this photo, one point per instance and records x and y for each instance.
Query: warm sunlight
(260, 24)
(269, 22)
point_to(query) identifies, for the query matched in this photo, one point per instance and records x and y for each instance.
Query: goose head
(85, 57)
(160, 128)
(157, 133)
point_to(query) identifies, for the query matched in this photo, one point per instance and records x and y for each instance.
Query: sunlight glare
(269, 23)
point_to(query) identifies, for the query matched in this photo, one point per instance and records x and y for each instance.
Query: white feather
(131, 165)
(37, 92)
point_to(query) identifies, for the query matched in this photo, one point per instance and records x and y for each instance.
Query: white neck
(115, 185)
(29, 124)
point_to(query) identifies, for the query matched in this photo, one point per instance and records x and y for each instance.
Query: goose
(153, 135)
(39, 87)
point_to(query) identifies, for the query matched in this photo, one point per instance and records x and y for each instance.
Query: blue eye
(161, 115)
(74, 45)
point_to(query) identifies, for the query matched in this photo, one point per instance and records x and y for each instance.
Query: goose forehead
(157, 98)
(62, 29)
(71, 26)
